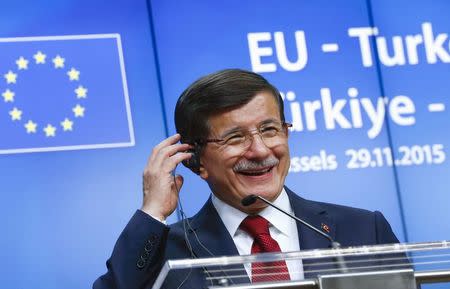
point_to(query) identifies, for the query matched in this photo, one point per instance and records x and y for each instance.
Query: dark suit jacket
(145, 244)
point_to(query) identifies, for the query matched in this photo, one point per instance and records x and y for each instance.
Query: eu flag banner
(63, 93)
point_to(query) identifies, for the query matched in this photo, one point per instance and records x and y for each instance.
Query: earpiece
(194, 162)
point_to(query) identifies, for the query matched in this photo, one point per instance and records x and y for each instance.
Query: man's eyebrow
(231, 131)
(269, 120)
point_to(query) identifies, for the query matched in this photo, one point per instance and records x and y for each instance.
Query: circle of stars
(17, 115)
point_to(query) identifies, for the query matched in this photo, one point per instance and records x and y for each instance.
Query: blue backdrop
(365, 85)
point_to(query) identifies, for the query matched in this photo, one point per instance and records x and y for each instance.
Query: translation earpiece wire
(186, 239)
(185, 221)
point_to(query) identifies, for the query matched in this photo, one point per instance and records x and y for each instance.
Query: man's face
(233, 174)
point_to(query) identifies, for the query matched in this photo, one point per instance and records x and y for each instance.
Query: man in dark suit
(234, 136)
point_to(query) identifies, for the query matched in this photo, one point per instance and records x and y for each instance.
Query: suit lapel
(317, 216)
(210, 238)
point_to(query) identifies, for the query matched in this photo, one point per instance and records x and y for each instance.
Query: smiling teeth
(255, 173)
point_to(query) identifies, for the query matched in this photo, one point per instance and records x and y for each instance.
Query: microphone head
(247, 201)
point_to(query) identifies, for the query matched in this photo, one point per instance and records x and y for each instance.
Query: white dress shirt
(282, 228)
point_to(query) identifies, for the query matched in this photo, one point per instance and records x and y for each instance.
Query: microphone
(251, 199)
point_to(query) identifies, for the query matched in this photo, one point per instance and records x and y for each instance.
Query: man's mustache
(246, 165)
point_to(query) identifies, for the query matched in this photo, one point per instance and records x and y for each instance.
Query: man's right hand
(159, 187)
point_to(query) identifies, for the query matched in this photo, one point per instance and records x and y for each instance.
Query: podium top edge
(308, 254)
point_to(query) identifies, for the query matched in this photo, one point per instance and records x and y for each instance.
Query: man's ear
(286, 130)
(194, 162)
(202, 172)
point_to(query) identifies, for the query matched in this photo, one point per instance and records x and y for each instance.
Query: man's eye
(269, 130)
(234, 139)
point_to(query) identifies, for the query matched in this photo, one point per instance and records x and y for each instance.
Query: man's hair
(215, 93)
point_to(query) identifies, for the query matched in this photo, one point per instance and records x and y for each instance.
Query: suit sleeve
(384, 232)
(137, 256)
(386, 236)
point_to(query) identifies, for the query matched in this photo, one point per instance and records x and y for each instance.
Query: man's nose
(257, 149)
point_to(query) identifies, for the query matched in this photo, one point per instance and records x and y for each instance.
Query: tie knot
(255, 226)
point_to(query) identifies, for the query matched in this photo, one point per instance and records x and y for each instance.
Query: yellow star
(78, 111)
(81, 92)
(39, 57)
(31, 126)
(73, 74)
(22, 63)
(67, 124)
(10, 77)
(50, 130)
(8, 96)
(15, 114)
(58, 61)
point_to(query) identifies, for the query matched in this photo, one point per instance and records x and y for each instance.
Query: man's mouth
(256, 172)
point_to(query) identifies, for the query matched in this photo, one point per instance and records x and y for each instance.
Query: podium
(390, 266)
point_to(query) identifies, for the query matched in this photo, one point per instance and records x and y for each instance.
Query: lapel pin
(325, 227)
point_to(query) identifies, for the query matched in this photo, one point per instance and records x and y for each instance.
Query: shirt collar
(232, 217)
(278, 219)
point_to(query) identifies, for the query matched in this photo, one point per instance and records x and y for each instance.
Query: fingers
(165, 143)
(166, 149)
(168, 141)
(166, 156)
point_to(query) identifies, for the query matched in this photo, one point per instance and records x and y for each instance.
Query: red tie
(258, 228)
